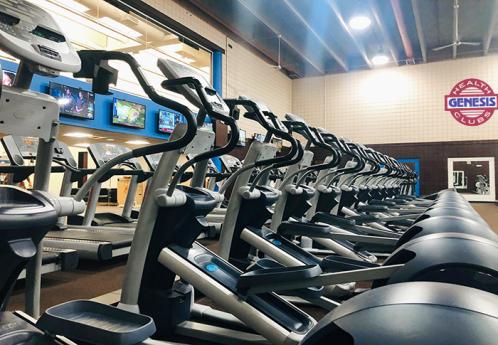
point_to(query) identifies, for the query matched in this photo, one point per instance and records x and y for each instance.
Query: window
(96, 24)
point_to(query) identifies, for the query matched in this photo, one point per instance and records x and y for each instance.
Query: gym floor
(93, 279)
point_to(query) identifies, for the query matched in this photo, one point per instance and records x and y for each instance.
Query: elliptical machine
(94, 323)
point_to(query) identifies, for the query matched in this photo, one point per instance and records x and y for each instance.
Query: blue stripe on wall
(103, 103)
(218, 71)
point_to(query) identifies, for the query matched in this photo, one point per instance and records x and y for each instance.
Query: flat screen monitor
(8, 77)
(242, 138)
(73, 101)
(127, 113)
(167, 120)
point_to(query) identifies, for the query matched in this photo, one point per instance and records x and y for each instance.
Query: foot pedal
(96, 323)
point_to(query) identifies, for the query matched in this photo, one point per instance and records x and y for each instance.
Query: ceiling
(96, 136)
(316, 38)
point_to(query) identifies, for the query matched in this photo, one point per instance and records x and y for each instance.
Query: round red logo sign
(472, 102)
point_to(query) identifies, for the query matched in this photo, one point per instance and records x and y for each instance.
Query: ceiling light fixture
(85, 145)
(117, 26)
(74, 6)
(380, 60)
(78, 135)
(137, 142)
(172, 48)
(359, 23)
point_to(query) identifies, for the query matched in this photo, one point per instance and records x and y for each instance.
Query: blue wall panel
(416, 164)
(103, 106)
(218, 71)
(103, 103)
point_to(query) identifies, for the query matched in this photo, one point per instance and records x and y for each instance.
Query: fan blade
(470, 43)
(444, 47)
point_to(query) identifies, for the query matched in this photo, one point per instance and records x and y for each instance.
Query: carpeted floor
(90, 280)
(95, 279)
(488, 211)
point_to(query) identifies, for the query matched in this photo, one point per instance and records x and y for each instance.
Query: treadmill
(95, 243)
(18, 150)
(152, 163)
(102, 153)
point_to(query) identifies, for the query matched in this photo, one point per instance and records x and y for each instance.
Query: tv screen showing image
(278, 143)
(73, 101)
(167, 121)
(8, 77)
(129, 114)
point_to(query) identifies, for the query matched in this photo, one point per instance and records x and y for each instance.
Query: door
(473, 177)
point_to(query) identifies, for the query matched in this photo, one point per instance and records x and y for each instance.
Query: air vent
(8, 19)
(50, 53)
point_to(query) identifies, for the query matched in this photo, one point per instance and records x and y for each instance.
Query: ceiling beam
(333, 53)
(384, 31)
(420, 31)
(403, 33)
(359, 46)
(486, 43)
(266, 53)
(318, 66)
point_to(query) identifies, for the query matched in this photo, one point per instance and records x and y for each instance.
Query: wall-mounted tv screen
(73, 101)
(8, 77)
(242, 138)
(129, 114)
(167, 120)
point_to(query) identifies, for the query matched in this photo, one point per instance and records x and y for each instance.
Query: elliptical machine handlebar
(360, 162)
(315, 137)
(95, 66)
(270, 122)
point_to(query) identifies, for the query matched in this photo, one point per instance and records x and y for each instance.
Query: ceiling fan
(456, 37)
(278, 65)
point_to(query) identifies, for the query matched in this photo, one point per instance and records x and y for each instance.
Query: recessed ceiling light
(379, 60)
(172, 48)
(110, 139)
(78, 135)
(85, 145)
(74, 5)
(137, 142)
(359, 23)
(119, 27)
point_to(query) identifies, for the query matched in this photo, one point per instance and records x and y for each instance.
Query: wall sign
(472, 102)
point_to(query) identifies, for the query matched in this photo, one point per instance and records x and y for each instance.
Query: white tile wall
(175, 10)
(399, 104)
(243, 71)
(251, 76)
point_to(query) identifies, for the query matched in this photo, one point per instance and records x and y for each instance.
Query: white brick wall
(251, 76)
(244, 73)
(399, 104)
